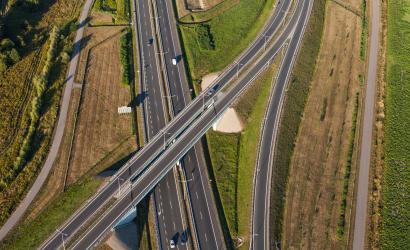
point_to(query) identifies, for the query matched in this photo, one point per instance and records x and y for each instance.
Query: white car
(174, 61)
(172, 244)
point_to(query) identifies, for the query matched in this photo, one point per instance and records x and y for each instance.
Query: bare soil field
(314, 194)
(100, 129)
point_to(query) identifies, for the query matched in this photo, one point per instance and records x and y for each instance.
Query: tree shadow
(138, 100)
(80, 45)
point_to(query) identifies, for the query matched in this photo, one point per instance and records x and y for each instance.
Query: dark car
(150, 41)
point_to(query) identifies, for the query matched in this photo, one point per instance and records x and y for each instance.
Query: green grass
(30, 235)
(292, 113)
(119, 9)
(395, 233)
(348, 168)
(233, 158)
(225, 37)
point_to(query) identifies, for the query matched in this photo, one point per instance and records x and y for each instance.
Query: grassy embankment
(31, 235)
(30, 36)
(210, 46)
(233, 158)
(395, 211)
(293, 108)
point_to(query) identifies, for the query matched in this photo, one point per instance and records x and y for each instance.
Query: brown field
(315, 184)
(100, 129)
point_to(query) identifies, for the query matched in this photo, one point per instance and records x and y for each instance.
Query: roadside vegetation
(125, 58)
(30, 234)
(293, 107)
(29, 96)
(348, 170)
(118, 9)
(210, 46)
(365, 31)
(396, 177)
(233, 158)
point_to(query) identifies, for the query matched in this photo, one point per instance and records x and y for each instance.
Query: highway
(59, 130)
(170, 217)
(181, 146)
(205, 217)
(161, 144)
(362, 198)
(263, 173)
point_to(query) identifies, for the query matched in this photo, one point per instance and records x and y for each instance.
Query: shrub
(125, 59)
(13, 56)
(6, 44)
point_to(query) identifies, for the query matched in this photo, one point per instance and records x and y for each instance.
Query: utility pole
(119, 185)
(62, 237)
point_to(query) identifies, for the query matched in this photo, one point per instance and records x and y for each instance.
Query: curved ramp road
(147, 180)
(58, 133)
(262, 181)
(160, 143)
(359, 233)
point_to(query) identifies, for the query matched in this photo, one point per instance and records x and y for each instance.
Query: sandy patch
(208, 79)
(229, 122)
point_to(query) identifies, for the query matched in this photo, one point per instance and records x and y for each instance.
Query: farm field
(233, 158)
(100, 130)
(314, 215)
(212, 45)
(29, 37)
(395, 212)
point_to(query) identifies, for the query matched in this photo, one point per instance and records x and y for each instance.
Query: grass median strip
(233, 157)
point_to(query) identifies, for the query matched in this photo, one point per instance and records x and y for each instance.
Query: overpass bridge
(149, 165)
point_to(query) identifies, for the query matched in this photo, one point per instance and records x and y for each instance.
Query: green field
(395, 232)
(212, 45)
(292, 113)
(233, 158)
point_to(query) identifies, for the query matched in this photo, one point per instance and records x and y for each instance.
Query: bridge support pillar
(128, 217)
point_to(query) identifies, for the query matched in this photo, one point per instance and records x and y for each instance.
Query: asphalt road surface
(359, 234)
(162, 142)
(205, 217)
(262, 180)
(148, 179)
(170, 216)
(58, 133)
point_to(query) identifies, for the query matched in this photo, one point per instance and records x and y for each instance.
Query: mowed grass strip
(30, 235)
(211, 46)
(395, 232)
(233, 158)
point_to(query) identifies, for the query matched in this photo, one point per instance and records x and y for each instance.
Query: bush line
(125, 52)
(342, 216)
